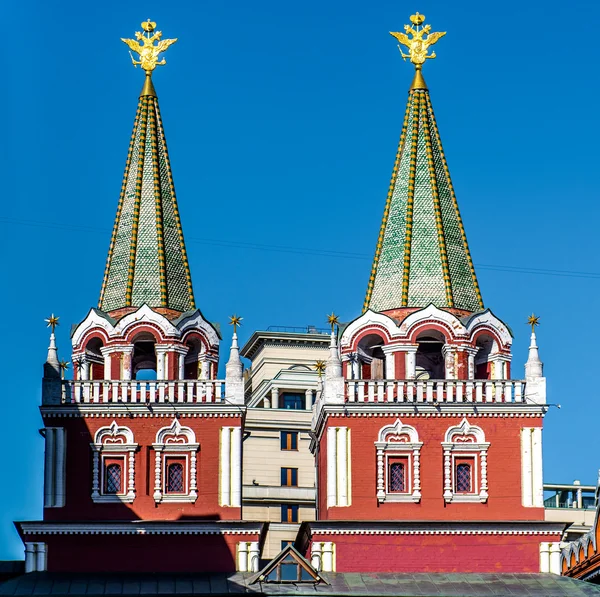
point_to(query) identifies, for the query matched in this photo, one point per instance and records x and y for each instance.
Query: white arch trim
(398, 429)
(145, 315)
(463, 430)
(488, 319)
(368, 318)
(432, 313)
(93, 320)
(113, 431)
(177, 430)
(197, 322)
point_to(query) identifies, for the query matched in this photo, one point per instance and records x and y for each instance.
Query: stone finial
(533, 367)
(234, 381)
(333, 388)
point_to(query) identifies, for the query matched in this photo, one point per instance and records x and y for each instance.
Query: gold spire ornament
(52, 322)
(333, 320)
(320, 367)
(418, 46)
(235, 321)
(148, 52)
(533, 320)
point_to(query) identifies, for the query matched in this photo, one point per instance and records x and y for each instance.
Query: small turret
(333, 389)
(234, 382)
(534, 368)
(51, 386)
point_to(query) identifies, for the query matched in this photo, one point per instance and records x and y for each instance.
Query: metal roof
(368, 584)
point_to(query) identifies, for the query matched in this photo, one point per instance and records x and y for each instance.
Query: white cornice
(140, 528)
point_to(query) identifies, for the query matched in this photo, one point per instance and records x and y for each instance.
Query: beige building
(279, 469)
(574, 504)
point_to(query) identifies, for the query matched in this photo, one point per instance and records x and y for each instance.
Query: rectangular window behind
(292, 401)
(289, 477)
(289, 440)
(289, 513)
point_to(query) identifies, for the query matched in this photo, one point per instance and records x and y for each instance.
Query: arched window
(94, 358)
(113, 479)
(465, 464)
(370, 357)
(143, 362)
(175, 464)
(430, 357)
(398, 464)
(113, 475)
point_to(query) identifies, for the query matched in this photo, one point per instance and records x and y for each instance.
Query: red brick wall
(504, 471)
(437, 553)
(79, 504)
(142, 553)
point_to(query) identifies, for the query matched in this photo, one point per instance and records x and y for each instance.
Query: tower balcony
(115, 391)
(435, 390)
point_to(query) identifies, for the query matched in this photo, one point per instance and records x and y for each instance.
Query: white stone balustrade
(435, 390)
(142, 391)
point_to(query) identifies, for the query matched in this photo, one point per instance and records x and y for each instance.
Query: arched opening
(143, 363)
(430, 357)
(93, 356)
(370, 357)
(193, 365)
(486, 346)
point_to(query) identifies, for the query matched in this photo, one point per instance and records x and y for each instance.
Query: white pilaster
(225, 466)
(49, 462)
(555, 558)
(242, 556)
(526, 468)
(390, 361)
(30, 559)
(274, 397)
(107, 364)
(327, 557)
(332, 467)
(342, 467)
(236, 467)
(315, 556)
(181, 366)
(545, 557)
(537, 483)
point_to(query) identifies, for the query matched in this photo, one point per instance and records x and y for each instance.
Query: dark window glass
(175, 478)
(113, 479)
(289, 513)
(397, 477)
(293, 401)
(289, 477)
(463, 478)
(284, 544)
(289, 440)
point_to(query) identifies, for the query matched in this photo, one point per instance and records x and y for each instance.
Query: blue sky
(282, 121)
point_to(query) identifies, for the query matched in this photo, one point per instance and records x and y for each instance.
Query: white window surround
(114, 441)
(401, 441)
(175, 441)
(465, 441)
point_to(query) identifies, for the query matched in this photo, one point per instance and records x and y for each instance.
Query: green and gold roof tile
(147, 260)
(422, 256)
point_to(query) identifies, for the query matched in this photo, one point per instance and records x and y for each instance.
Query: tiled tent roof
(147, 261)
(341, 584)
(422, 256)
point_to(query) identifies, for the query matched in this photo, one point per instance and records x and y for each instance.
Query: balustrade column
(411, 361)
(308, 399)
(127, 362)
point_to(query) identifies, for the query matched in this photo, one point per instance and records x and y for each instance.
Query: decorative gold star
(320, 367)
(52, 322)
(333, 320)
(64, 365)
(533, 320)
(235, 321)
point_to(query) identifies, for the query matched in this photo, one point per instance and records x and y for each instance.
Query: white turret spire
(234, 380)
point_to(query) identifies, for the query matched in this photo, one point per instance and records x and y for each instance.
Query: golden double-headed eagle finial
(147, 51)
(418, 45)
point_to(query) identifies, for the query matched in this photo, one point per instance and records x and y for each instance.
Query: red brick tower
(144, 445)
(428, 451)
